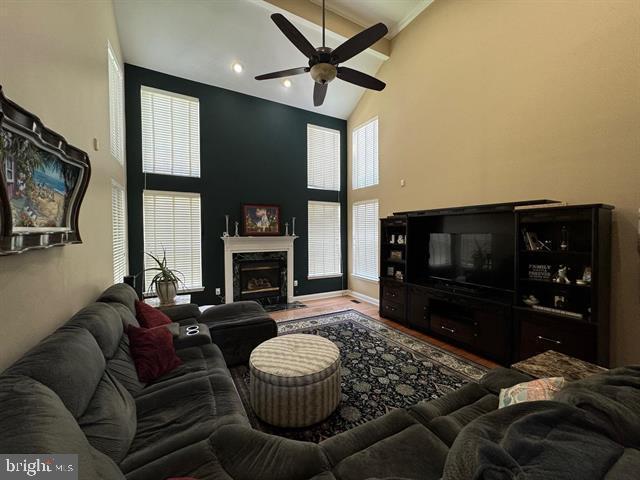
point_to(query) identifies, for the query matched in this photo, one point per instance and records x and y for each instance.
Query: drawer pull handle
(551, 340)
(450, 330)
(389, 307)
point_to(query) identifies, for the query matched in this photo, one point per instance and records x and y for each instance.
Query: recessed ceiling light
(237, 67)
(287, 83)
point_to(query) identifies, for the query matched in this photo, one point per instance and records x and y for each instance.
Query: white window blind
(325, 257)
(119, 232)
(323, 158)
(170, 133)
(172, 222)
(365, 154)
(116, 106)
(365, 239)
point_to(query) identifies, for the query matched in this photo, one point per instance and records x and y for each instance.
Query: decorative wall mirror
(43, 180)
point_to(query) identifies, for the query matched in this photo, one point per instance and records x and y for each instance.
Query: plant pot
(166, 292)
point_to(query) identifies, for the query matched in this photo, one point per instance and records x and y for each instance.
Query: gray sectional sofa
(78, 392)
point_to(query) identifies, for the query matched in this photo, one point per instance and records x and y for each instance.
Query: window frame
(337, 173)
(355, 239)
(354, 156)
(116, 112)
(196, 130)
(339, 274)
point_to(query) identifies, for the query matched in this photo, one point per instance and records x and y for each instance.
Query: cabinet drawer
(455, 329)
(418, 309)
(539, 334)
(393, 293)
(392, 310)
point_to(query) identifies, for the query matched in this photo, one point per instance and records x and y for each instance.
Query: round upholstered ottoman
(295, 380)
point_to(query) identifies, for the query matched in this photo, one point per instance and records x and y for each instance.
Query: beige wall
(503, 100)
(53, 61)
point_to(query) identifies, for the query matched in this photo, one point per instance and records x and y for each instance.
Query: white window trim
(116, 185)
(374, 276)
(191, 288)
(116, 118)
(340, 263)
(353, 153)
(366, 279)
(338, 176)
(192, 158)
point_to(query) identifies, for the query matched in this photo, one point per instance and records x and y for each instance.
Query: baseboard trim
(321, 295)
(364, 298)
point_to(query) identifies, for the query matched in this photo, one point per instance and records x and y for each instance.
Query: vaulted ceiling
(200, 40)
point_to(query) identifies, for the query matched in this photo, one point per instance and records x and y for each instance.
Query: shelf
(391, 260)
(548, 282)
(554, 252)
(394, 245)
(584, 319)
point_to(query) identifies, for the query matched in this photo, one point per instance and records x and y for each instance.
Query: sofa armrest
(247, 454)
(181, 313)
(191, 336)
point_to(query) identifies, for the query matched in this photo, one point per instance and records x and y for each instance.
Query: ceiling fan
(324, 61)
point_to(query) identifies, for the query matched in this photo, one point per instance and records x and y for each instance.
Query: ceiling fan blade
(358, 78)
(283, 73)
(358, 43)
(294, 35)
(319, 92)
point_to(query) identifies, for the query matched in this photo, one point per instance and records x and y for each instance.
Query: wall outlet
(218, 291)
(295, 283)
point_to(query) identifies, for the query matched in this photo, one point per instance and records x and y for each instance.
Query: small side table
(554, 364)
(180, 300)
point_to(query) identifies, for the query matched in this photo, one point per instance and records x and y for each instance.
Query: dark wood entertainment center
(507, 281)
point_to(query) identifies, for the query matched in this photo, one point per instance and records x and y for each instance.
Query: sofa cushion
(103, 322)
(153, 352)
(182, 414)
(33, 419)
(69, 362)
(120, 293)
(122, 367)
(149, 317)
(109, 422)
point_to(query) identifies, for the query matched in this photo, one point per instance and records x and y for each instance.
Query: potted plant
(165, 281)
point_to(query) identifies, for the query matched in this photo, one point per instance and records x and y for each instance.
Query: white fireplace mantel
(233, 245)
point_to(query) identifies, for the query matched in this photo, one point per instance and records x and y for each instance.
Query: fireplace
(260, 276)
(259, 279)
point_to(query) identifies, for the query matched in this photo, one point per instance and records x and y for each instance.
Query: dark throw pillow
(149, 317)
(152, 351)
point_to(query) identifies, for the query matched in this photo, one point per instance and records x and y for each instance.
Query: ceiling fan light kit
(324, 61)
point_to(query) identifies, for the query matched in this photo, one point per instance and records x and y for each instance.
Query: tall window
(170, 133)
(119, 232)
(323, 158)
(365, 154)
(116, 106)
(365, 239)
(172, 225)
(325, 258)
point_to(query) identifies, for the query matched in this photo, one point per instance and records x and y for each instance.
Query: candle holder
(286, 229)
(237, 235)
(293, 226)
(226, 226)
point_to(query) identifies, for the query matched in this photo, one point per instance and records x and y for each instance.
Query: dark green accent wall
(251, 151)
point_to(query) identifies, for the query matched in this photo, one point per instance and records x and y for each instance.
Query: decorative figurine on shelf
(564, 239)
(286, 229)
(399, 276)
(226, 226)
(392, 240)
(237, 234)
(400, 240)
(561, 275)
(559, 301)
(530, 300)
(586, 277)
(293, 226)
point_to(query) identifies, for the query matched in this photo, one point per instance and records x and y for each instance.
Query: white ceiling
(395, 14)
(200, 39)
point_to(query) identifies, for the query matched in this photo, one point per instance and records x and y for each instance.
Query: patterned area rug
(382, 369)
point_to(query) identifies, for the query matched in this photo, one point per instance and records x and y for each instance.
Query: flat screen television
(476, 259)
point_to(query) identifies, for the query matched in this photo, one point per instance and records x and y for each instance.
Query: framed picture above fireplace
(260, 219)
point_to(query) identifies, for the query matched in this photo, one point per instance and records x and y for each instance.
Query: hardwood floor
(337, 304)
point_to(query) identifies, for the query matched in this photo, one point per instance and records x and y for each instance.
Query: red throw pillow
(149, 317)
(152, 351)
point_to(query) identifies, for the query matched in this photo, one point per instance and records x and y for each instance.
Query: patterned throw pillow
(541, 389)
